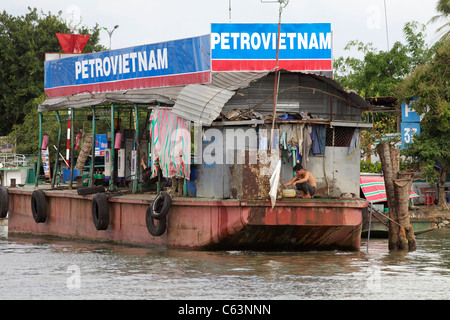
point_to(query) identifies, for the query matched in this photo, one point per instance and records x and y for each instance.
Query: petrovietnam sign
(164, 64)
(253, 46)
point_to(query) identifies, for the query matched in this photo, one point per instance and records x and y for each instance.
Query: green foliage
(23, 43)
(443, 7)
(379, 72)
(370, 167)
(430, 82)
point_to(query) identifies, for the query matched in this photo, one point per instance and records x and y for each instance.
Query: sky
(151, 21)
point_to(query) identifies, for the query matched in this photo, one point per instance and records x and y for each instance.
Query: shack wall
(244, 180)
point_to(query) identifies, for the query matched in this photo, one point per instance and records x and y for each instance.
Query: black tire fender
(161, 206)
(4, 202)
(161, 224)
(100, 211)
(39, 206)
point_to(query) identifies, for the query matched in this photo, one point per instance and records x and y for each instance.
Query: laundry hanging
(318, 136)
(171, 143)
(307, 143)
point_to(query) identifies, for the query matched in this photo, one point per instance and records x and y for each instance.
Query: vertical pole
(159, 183)
(149, 148)
(93, 149)
(111, 181)
(55, 170)
(136, 147)
(38, 169)
(370, 226)
(71, 116)
(387, 29)
(275, 94)
(68, 136)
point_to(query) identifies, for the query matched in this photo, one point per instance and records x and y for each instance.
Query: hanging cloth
(315, 140)
(354, 143)
(318, 136)
(171, 143)
(274, 182)
(322, 137)
(307, 142)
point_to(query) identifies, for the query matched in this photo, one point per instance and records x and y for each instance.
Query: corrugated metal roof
(236, 80)
(201, 103)
(204, 102)
(143, 96)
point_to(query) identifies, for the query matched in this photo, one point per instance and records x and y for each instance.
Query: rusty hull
(198, 223)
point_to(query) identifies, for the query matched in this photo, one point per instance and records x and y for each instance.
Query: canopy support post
(111, 181)
(136, 148)
(71, 148)
(38, 168)
(55, 170)
(93, 149)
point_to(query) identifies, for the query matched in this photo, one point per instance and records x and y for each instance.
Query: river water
(38, 268)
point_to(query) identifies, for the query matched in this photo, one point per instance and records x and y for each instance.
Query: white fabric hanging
(274, 182)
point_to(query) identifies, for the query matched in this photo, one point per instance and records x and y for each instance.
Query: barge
(228, 201)
(195, 223)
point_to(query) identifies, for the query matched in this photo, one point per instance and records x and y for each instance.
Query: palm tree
(443, 6)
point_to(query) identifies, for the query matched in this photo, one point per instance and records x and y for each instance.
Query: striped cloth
(374, 189)
(171, 143)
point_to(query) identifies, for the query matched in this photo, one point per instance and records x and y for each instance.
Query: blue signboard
(253, 46)
(409, 130)
(408, 113)
(178, 62)
(410, 125)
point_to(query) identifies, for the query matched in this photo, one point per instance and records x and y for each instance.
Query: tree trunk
(390, 168)
(402, 189)
(84, 152)
(411, 238)
(441, 188)
(398, 188)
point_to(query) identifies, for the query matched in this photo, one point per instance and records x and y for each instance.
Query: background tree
(23, 43)
(377, 74)
(443, 6)
(431, 149)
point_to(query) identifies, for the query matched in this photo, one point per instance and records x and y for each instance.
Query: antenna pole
(283, 4)
(387, 31)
